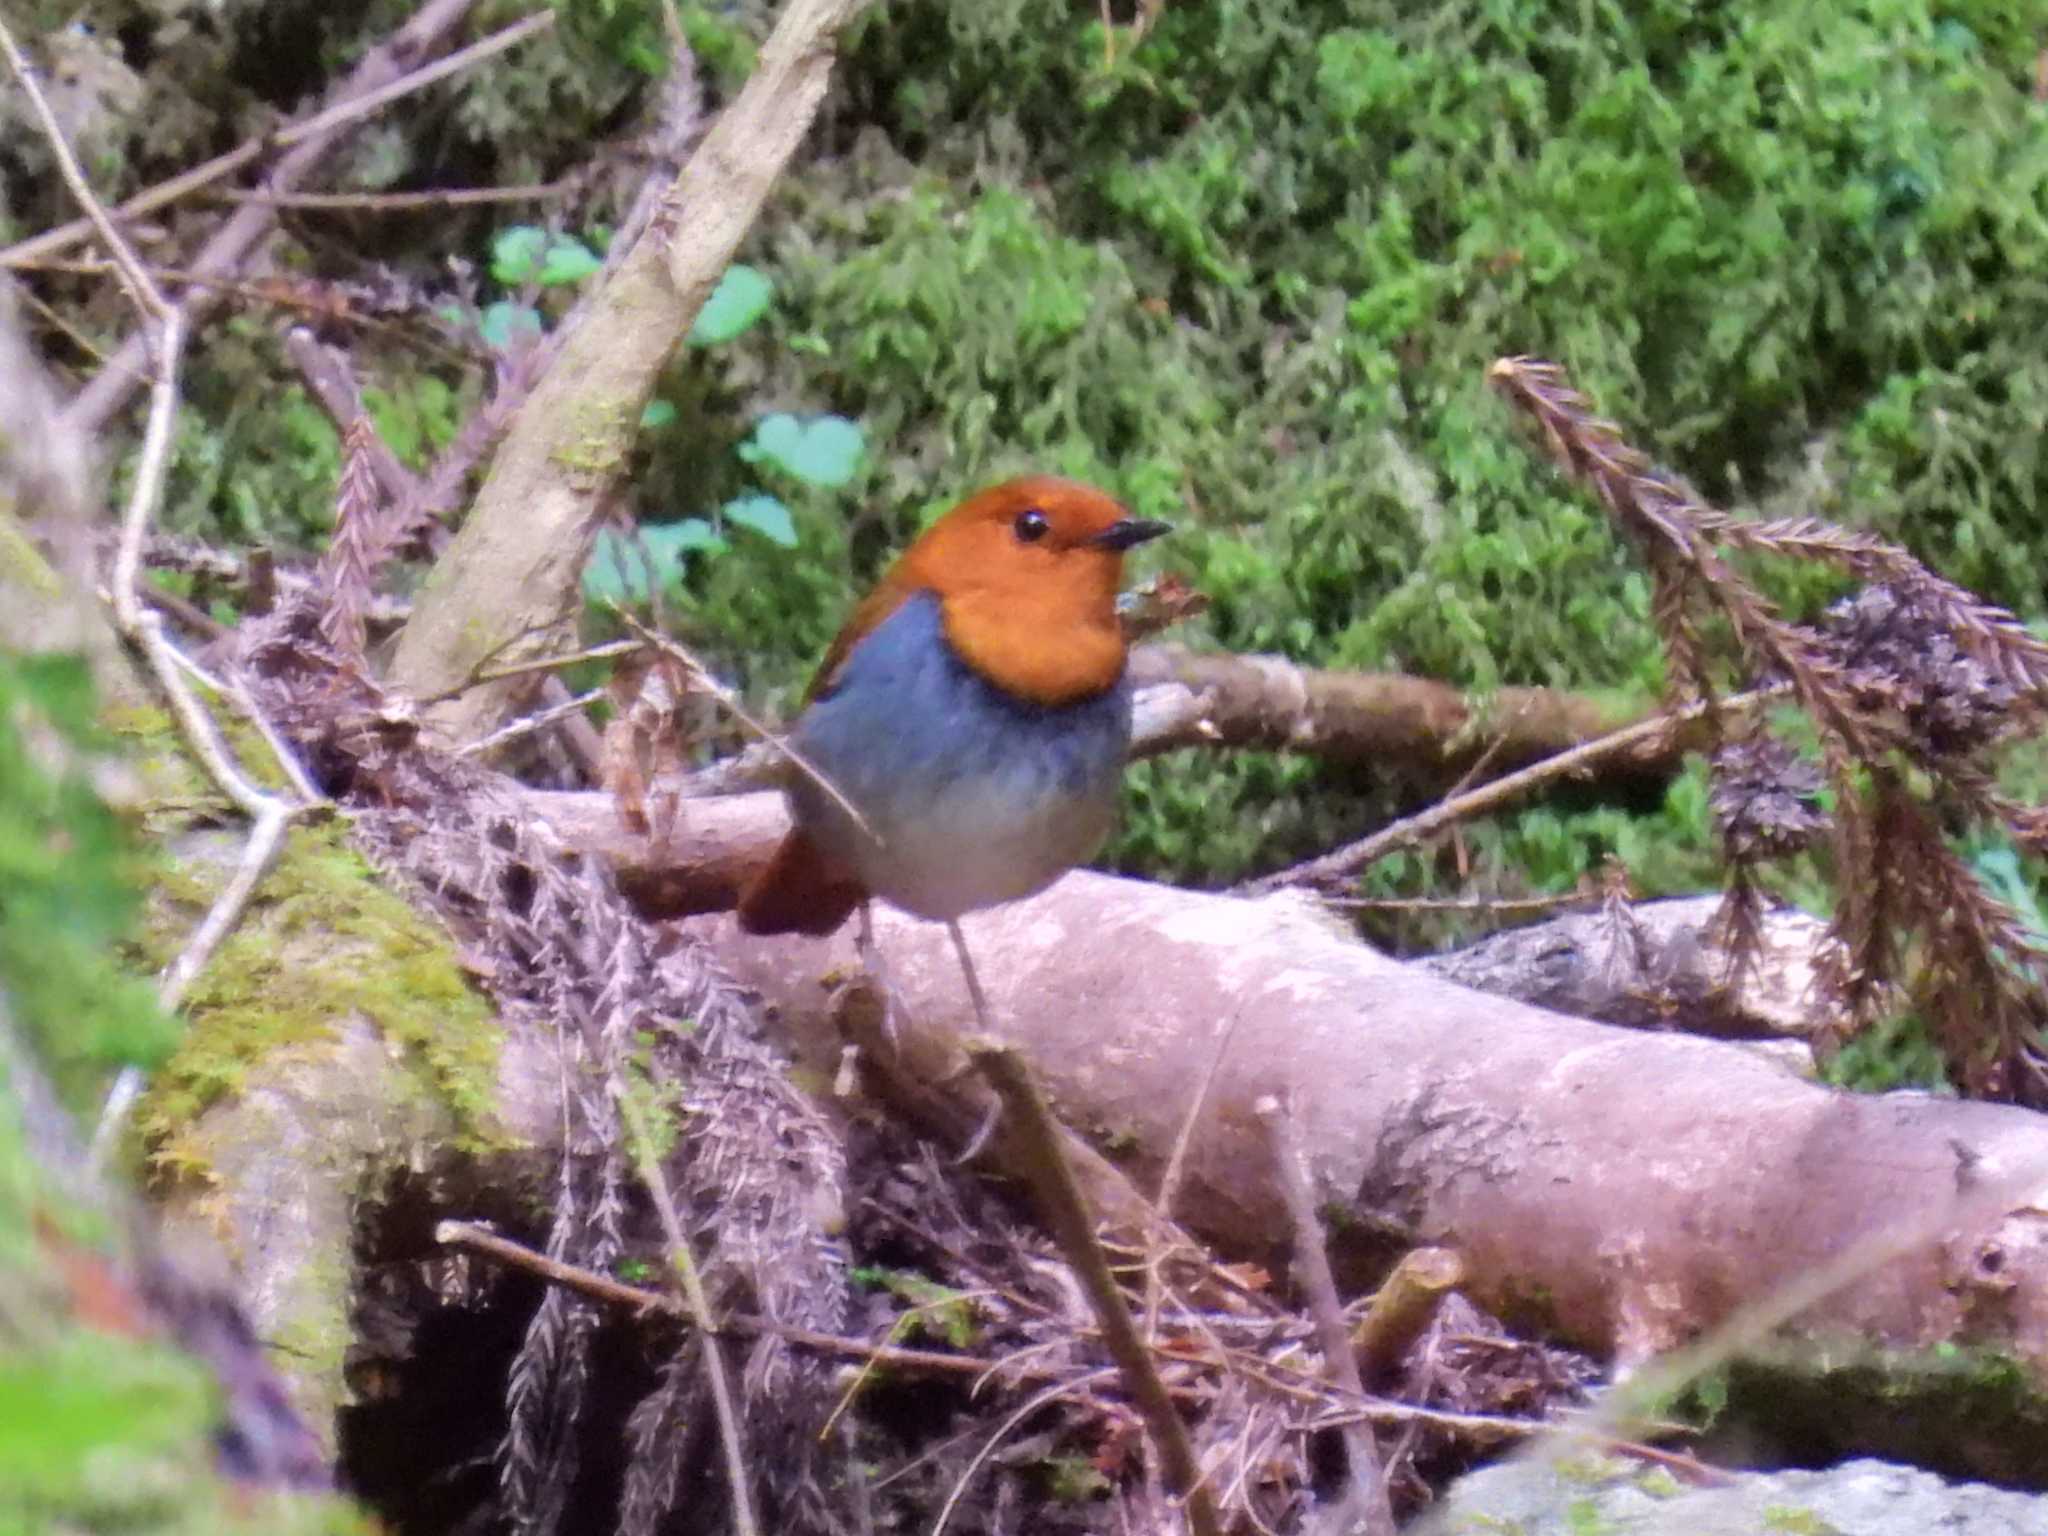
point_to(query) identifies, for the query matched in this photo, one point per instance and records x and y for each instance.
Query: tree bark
(1659, 966)
(1386, 719)
(508, 584)
(1624, 1191)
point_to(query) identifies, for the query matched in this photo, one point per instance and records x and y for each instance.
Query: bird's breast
(972, 796)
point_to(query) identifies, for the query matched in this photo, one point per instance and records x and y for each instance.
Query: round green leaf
(613, 573)
(740, 299)
(826, 451)
(765, 516)
(504, 323)
(569, 260)
(516, 253)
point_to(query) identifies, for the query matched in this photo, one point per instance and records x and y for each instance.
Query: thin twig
(1368, 1500)
(1169, 1180)
(163, 325)
(526, 725)
(1348, 861)
(1480, 904)
(716, 1373)
(540, 664)
(64, 236)
(1032, 1404)
(1052, 1180)
(401, 202)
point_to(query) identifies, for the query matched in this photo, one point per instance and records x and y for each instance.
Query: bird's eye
(1031, 526)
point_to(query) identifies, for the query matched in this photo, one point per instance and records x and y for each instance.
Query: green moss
(1794, 1520)
(1659, 1483)
(602, 438)
(323, 941)
(1961, 1410)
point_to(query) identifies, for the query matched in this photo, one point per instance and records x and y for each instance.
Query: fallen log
(1622, 1191)
(1656, 965)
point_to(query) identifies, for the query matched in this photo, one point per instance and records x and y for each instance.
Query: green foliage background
(1248, 270)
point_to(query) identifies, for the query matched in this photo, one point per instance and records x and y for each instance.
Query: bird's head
(1027, 574)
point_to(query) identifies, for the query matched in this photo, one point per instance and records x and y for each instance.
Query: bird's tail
(801, 891)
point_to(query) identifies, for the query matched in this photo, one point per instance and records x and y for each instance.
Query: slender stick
(1347, 861)
(1066, 1212)
(718, 1376)
(526, 725)
(1368, 1501)
(185, 183)
(164, 332)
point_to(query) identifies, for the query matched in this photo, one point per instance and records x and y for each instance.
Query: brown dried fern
(348, 572)
(1910, 685)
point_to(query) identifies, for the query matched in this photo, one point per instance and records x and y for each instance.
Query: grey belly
(972, 799)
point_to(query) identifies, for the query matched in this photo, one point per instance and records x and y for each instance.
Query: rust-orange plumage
(973, 709)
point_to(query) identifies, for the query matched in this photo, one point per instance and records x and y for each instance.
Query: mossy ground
(323, 942)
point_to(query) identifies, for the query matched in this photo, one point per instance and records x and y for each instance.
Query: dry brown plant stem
(1349, 860)
(143, 628)
(347, 109)
(1065, 1212)
(403, 202)
(717, 1374)
(701, 678)
(1367, 1503)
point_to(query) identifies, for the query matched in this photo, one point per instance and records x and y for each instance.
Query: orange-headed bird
(974, 709)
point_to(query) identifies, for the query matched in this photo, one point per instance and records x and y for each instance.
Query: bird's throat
(1037, 648)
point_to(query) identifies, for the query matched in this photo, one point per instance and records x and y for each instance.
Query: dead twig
(699, 677)
(1367, 1503)
(717, 1374)
(1345, 862)
(1052, 1181)
(164, 331)
(526, 725)
(402, 202)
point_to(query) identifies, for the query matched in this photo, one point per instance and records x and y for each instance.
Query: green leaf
(569, 260)
(505, 323)
(740, 299)
(516, 254)
(658, 414)
(672, 541)
(614, 573)
(765, 516)
(824, 452)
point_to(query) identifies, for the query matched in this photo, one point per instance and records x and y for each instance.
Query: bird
(962, 742)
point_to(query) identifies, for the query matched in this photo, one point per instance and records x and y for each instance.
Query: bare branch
(380, 78)
(1367, 1502)
(511, 585)
(1067, 1214)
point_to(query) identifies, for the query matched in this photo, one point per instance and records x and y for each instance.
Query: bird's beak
(1126, 531)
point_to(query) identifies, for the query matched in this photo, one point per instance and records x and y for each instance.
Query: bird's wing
(864, 621)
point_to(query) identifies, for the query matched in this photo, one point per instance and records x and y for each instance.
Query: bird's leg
(974, 993)
(994, 1114)
(870, 954)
